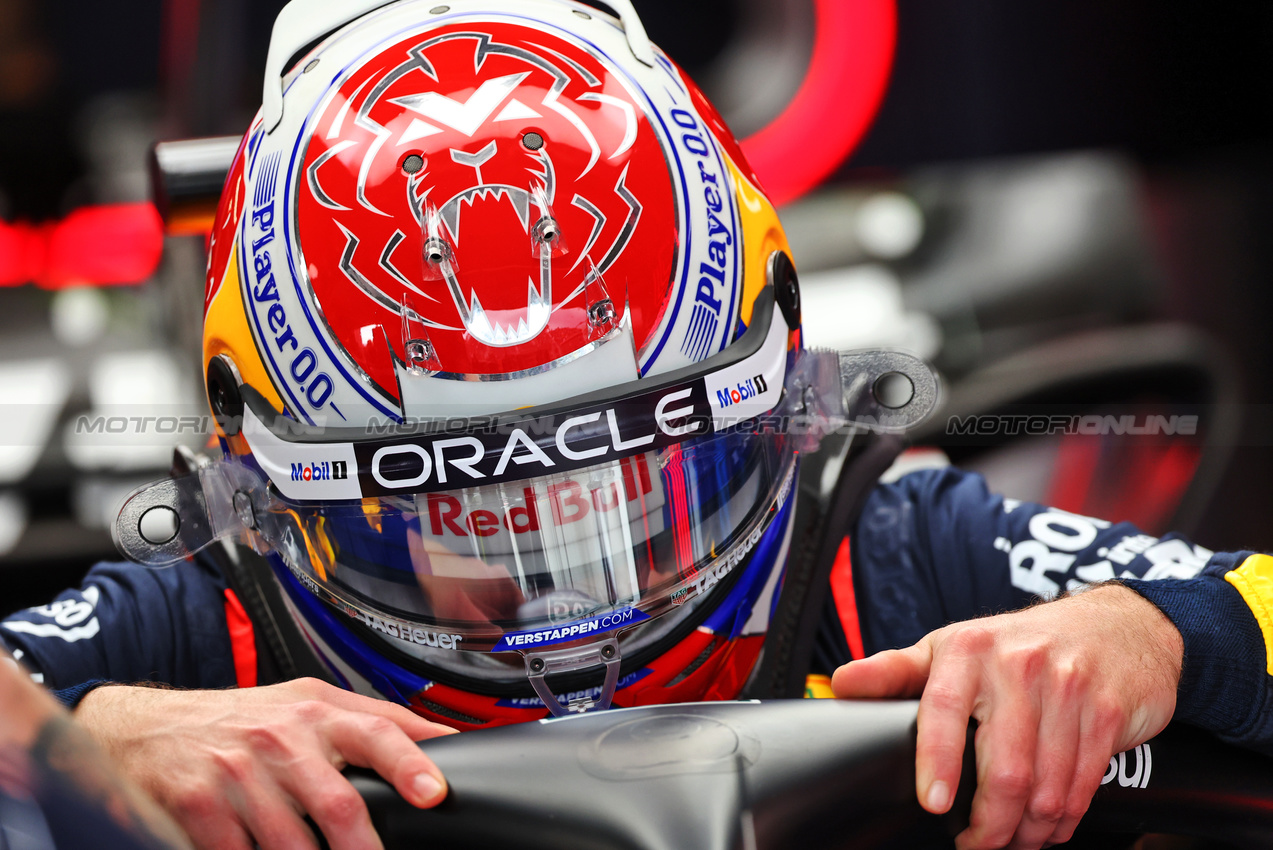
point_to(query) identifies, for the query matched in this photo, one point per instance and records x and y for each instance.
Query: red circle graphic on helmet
(486, 178)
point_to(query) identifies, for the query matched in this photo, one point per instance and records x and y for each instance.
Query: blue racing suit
(932, 548)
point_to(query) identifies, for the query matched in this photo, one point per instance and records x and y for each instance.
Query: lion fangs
(538, 309)
(451, 218)
(519, 198)
(534, 298)
(521, 203)
(538, 312)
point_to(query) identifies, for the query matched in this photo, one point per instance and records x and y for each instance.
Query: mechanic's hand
(239, 766)
(1057, 689)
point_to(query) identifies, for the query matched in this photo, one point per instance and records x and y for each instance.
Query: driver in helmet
(494, 305)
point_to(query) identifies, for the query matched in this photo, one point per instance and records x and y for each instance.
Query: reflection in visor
(485, 561)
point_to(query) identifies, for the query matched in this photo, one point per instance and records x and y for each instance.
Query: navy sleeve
(1225, 684)
(128, 623)
(936, 547)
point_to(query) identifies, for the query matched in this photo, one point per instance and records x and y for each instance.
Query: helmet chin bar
(541, 663)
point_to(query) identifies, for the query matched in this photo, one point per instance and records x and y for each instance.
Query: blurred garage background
(1065, 205)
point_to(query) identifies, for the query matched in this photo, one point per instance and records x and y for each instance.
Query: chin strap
(540, 664)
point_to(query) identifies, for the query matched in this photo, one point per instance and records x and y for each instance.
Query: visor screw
(419, 351)
(601, 313)
(607, 651)
(537, 665)
(546, 230)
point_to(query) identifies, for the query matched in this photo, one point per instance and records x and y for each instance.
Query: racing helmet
(498, 325)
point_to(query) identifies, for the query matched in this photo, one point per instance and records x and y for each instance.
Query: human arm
(129, 623)
(1056, 690)
(237, 766)
(1226, 686)
(217, 759)
(937, 547)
